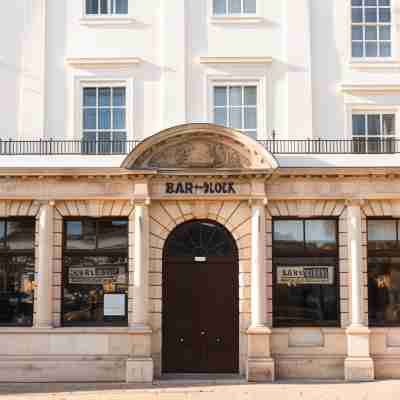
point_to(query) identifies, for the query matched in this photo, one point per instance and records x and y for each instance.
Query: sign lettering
(204, 188)
(305, 275)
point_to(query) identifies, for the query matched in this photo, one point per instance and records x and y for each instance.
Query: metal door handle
(218, 340)
(202, 333)
(181, 340)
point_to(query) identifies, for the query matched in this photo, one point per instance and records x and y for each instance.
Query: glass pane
(382, 234)
(220, 116)
(321, 235)
(104, 145)
(89, 143)
(305, 304)
(21, 234)
(356, 2)
(104, 119)
(235, 118)
(372, 3)
(235, 6)
(219, 7)
(250, 118)
(357, 33)
(250, 95)
(17, 274)
(356, 15)
(385, 15)
(371, 15)
(235, 96)
(92, 7)
(371, 49)
(385, 49)
(119, 118)
(384, 290)
(288, 236)
(119, 98)
(250, 6)
(87, 279)
(388, 124)
(220, 96)
(384, 32)
(357, 49)
(384, 3)
(358, 124)
(371, 33)
(2, 234)
(104, 97)
(80, 235)
(89, 118)
(121, 6)
(119, 142)
(112, 234)
(374, 124)
(103, 6)
(89, 97)
(252, 134)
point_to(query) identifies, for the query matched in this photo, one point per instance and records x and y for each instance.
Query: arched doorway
(200, 322)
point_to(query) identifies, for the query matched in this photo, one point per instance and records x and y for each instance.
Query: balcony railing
(53, 147)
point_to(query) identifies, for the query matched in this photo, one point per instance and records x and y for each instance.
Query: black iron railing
(275, 146)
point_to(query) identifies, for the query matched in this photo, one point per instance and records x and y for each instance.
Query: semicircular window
(200, 239)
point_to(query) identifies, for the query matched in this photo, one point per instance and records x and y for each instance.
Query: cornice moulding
(235, 60)
(374, 64)
(369, 88)
(95, 62)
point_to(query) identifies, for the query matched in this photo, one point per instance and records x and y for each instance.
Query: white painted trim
(235, 19)
(109, 62)
(106, 20)
(83, 81)
(235, 60)
(263, 105)
(366, 64)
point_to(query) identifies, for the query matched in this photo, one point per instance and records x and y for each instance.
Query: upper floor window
(104, 119)
(371, 24)
(234, 7)
(236, 107)
(373, 132)
(106, 7)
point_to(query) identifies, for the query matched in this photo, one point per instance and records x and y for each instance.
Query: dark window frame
(381, 253)
(6, 254)
(122, 252)
(306, 254)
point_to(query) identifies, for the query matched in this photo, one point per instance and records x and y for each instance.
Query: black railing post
(273, 140)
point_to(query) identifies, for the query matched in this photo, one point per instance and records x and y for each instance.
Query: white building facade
(199, 186)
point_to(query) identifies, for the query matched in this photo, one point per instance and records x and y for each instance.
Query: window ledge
(236, 19)
(373, 63)
(235, 60)
(91, 62)
(106, 20)
(369, 88)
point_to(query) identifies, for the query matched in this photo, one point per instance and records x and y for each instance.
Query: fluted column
(44, 287)
(260, 365)
(258, 266)
(139, 366)
(359, 365)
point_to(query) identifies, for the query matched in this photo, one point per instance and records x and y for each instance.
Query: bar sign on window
(200, 259)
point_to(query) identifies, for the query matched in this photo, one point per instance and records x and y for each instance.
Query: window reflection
(81, 235)
(321, 234)
(382, 234)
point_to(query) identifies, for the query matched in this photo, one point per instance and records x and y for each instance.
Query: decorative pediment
(199, 146)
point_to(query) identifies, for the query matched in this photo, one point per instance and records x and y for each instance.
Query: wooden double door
(200, 300)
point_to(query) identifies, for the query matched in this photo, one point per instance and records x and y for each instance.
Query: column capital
(141, 202)
(50, 203)
(355, 202)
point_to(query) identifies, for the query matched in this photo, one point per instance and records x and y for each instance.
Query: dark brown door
(200, 300)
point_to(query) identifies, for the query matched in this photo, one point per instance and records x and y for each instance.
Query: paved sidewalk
(384, 390)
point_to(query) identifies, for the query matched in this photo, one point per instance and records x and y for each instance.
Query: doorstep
(200, 379)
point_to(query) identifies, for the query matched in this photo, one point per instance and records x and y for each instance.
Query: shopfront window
(17, 271)
(305, 263)
(383, 272)
(95, 272)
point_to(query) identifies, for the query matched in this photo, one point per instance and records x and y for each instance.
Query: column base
(358, 369)
(139, 370)
(260, 364)
(260, 370)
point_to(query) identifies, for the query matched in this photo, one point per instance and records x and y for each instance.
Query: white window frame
(393, 41)
(262, 108)
(247, 18)
(106, 19)
(109, 6)
(84, 82)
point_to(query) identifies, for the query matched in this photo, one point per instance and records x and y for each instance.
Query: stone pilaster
(44, 284)
(260, 365)
(359, 365)
(139, 366)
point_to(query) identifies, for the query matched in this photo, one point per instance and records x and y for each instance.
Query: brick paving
(384, 390)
